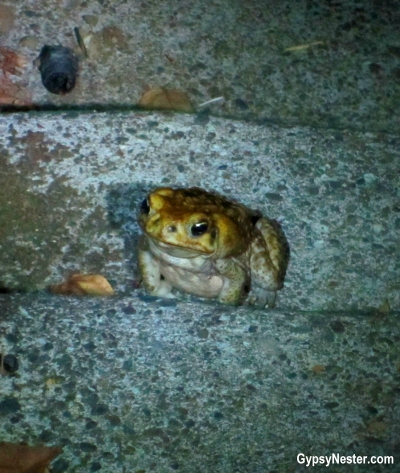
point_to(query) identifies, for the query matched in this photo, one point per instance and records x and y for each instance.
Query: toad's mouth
(178, 251)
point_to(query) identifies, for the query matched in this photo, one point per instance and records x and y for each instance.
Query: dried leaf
(376, 427)
(301, 47)
(10, 93)
(114, 37)
(84, 285)
(81, 42)
(159, 98)
(215, 100)
(13, 94)
(16, 458)
(91, 44)
(11, 61)
(384, 308)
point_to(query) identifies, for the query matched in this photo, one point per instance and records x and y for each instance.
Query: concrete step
(138, 384)
(71, 184)
(292, 63)
(132, 383)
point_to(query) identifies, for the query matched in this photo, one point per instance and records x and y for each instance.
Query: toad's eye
(199, 228)
(145, 207)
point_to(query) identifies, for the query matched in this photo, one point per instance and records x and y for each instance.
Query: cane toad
(203, 244)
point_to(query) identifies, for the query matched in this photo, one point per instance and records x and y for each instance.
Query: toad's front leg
(235, 281)
(149, 268)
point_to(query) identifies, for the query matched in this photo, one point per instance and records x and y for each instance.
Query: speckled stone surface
(135, 384)
(344, 75)
(71, 185)
(140, 385)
